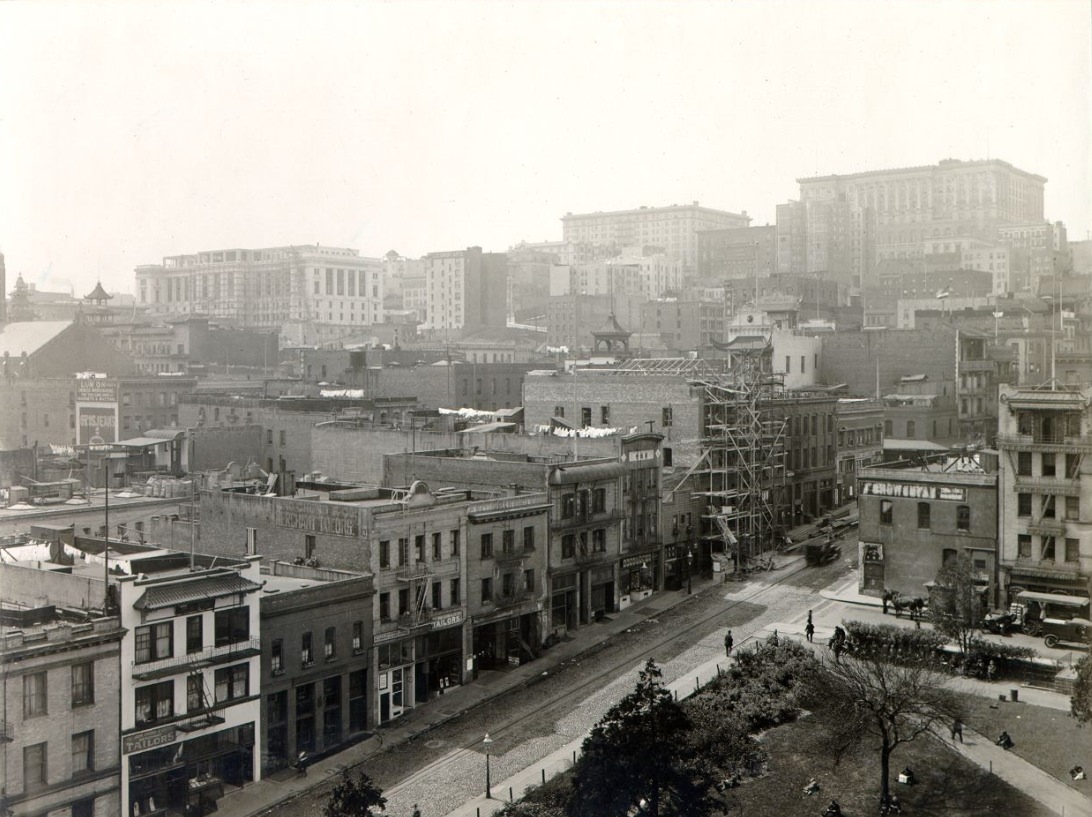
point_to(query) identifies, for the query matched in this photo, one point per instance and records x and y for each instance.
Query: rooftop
(29, 336)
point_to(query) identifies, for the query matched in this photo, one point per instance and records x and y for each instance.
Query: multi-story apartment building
(673, 229)
(644, 277)
(190, 697)
(267, 288)
(859, 421)
(1045, 439)
(316, 632)
(828, 237)
(921, 409)
(690, 325)
(914, 518)
(950, 199)
(59, 725)
(466, 289)
(456, 577)
(1039, 251)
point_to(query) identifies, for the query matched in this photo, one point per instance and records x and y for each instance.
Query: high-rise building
(466, 289)
(738, 252)
(953, 198)
(267, 288)
(828, 238)
(674, 229)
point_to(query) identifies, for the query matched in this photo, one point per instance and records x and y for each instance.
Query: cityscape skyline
(307, 141)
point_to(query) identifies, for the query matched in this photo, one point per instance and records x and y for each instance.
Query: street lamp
(689, 569)
(488, 783)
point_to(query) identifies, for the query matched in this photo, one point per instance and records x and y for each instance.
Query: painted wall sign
(914, 491)
(317, 517)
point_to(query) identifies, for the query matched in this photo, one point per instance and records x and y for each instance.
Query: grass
(948, 785)
(1048, 738)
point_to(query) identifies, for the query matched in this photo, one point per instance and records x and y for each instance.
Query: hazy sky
(131, 131)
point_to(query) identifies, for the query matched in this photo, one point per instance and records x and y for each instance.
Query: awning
(570, 474)
(157, 597)
(143, 442)
(1052, 598)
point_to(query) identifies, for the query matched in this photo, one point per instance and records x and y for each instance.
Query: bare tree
(891, 704)
(956, 605)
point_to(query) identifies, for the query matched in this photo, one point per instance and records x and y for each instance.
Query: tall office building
(267, 288)
(466, 289)
(673, 230)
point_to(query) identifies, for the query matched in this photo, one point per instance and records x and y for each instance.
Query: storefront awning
(209, 587)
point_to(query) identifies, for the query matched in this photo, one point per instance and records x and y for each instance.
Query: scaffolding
(741, 473)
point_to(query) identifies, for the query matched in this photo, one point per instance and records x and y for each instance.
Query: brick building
(914, 518)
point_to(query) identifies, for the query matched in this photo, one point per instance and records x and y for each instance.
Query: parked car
(1072, 631)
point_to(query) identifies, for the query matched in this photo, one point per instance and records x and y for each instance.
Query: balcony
(586, 556)
(511, 558)
(208, 657)
(1040, 442)
(418, 618)
(517, 596)
(1048, 485)
(977, 365)
(413, 572)
(1047, 527)
(587, 520)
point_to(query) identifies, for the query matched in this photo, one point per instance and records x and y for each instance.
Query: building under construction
(742, 470)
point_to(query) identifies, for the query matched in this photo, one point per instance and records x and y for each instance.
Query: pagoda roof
(98, 293)
(611, 329)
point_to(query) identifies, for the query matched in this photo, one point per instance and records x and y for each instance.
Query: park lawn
(1048, 738)
(948, 784)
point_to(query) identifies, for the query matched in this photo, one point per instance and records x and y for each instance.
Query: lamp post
(689, 569)
(488, 783)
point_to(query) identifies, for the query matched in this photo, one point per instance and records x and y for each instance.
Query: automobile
(1036, 609)
(1071, 631)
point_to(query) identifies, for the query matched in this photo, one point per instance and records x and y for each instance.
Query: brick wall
(851, 357)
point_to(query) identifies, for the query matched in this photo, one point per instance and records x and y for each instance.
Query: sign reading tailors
(914, 491)
(143, 741)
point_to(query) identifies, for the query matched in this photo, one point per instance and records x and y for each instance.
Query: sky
(131, 131)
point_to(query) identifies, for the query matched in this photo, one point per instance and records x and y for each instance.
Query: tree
(355, 798)
(892, 704)
(636, 760)
(1081, 702)
(956, 605)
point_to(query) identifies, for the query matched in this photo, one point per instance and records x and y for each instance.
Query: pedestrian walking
(809, 616)
(416, 811)
(728, 643)
(957, 730)
(809, 631)
(886, 600)
(991, 670)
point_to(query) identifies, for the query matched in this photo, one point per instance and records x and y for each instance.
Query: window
(232, 683)
(456, 593)
(559, 411)
(307, 657)
(487, 590)
(1023, 545)
(1072, 550)
(284, 437)
(529, 581)
(154, 642)
(1023, 504)
(888, 428)
(437, 551)
(585, 416)
(34, 767)
(487, 546)
(403, 602)
(963, 517)
(604, 415)
(508, 542)
(599, 500)
(384, 606)
(329, 645)
(910, 429)
(568, 506)
(269, 436)
(309, 545)
(1049, 469)
(194, 635)
(1073, 508)
(83, 753)
(34, 695)
(1048, 549)
(1048, 507)
(599, 540)
(528, 538)
(403, 551)
(1072, 466)
(83, 683)
(358, 637)
(1023, 464)
(788, 364)
(667, 458)
(232, 625)
(887, 511)
(508, 585)
(419, 548)
(948, 555)
(437, 596)
(923, 515)
(385, 553)
(665, 419)
(276, 658)
(154, 703)
(568, 546)
(455, 542)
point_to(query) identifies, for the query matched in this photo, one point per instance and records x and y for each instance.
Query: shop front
(411, 668)
(189, 776)
(638, 578)
(601, 586)
(505, 640)
(564, 603)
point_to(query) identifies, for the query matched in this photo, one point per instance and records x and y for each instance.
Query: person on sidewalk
(809, 631)
(957, 730)
(416, 811)
(1004, 741)
(728, 643)
(773, 639)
